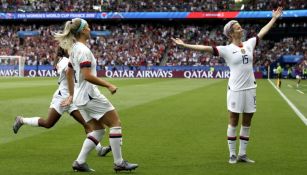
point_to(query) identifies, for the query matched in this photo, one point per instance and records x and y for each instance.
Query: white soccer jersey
(61, 70)
(240, 62)
(81, 57)
(62, 92)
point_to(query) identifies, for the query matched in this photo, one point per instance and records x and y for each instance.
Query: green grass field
(170, 127)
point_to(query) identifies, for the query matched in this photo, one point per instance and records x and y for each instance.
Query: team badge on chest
(243, 51)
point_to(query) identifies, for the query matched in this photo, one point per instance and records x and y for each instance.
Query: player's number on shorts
(245, 59)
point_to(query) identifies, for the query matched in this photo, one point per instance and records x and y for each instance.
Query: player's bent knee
(45, 124)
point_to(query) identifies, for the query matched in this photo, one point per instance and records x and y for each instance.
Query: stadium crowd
(146, 44)
(143, 5)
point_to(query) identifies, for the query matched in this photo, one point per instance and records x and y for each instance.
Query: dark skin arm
(70, 82)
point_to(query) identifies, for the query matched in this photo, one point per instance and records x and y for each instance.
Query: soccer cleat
(244, 158)
(81, 167)
(233, 159)
(17, 124)
(104, 151)
(125, 166)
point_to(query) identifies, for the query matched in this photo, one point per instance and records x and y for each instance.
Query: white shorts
(56, 104)
(241, 101)
(95, 108)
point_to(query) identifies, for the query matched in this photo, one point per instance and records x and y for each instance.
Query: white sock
(115, 142)
(231, 136)
(30, 121)
(244, 138)
(89, 144)
(98, 147)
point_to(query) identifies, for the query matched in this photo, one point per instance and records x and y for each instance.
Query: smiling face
(236, 32)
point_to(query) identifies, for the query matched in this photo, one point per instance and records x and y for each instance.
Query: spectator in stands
(144, 5)
(150, 44)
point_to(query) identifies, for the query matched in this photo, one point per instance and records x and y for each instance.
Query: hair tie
(82, 25)
(228, 27)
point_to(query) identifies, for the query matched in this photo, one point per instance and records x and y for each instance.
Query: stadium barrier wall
(155, 72)
(169, 74)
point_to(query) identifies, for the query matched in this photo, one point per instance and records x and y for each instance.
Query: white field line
(300, 91)
(290, 86)
(294, 108)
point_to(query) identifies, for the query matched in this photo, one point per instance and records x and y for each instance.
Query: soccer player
(56, 110)
(241, 94)
(95, 108)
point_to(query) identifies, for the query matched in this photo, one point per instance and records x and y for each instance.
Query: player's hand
(112, 89)
(178, 41)
(67, 101)
(277, 13)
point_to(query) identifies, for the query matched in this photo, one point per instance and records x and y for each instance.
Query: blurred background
(135, 35)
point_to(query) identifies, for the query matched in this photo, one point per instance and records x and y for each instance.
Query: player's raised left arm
(275, 15)
(179, 42)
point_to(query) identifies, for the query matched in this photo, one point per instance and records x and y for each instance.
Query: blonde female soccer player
(241, 94)
(95, 108)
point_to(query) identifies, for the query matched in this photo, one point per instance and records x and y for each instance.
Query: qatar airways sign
(164, 74)
(41, 73)
(9, 73)
(28, 73)
(135, 74)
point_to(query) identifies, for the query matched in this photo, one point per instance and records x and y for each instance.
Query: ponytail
(68, 36)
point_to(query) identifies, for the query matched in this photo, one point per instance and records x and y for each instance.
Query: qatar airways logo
(206, 74)
(167, 74)
(42, 73)
(139, 74)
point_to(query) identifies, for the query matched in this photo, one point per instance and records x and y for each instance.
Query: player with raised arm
(241, 94)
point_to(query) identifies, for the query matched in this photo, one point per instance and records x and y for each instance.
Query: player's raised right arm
(275, 15)
(179, 42)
